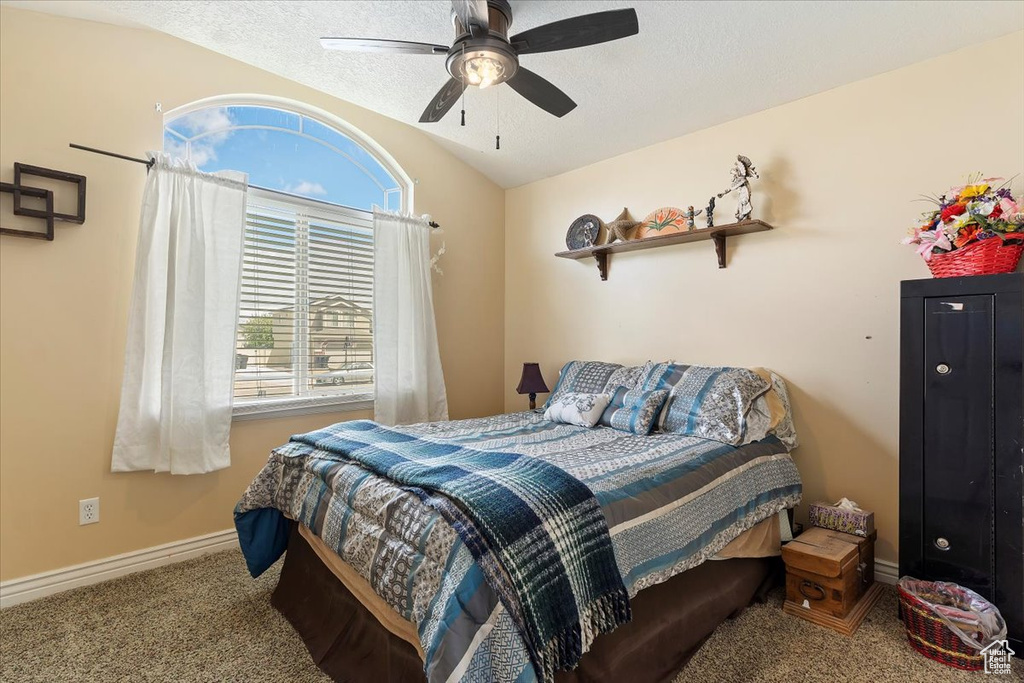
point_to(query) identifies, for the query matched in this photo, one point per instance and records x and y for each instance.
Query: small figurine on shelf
(742, 171)
(690, 215)
(709, 213)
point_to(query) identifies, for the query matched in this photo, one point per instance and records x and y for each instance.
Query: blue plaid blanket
(537, 533)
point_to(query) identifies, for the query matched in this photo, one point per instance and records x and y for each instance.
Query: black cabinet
(962, 437)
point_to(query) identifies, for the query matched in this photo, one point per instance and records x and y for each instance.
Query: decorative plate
(583, 232)
(664, 221)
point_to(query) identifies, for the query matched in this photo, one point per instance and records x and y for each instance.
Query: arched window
(308, 259)
(285, 150)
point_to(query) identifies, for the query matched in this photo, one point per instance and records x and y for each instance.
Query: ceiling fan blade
(541, 92)
(586, 29)
(443, 101)
(383, 46)
(473, 14)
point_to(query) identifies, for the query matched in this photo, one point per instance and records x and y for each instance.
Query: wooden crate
(828, 574)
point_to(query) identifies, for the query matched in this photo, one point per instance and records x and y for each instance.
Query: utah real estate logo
(997, 657)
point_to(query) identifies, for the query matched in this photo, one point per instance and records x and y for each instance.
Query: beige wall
(817, 298)
(64, 304)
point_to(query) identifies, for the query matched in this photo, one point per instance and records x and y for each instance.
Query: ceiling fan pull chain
(463, 89)
(497, 119)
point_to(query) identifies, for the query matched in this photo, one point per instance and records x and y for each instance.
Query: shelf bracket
(719, 238)
(602, 263)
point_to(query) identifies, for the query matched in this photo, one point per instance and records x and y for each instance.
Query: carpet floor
(207, 620)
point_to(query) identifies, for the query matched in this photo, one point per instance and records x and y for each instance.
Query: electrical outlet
(88, 511)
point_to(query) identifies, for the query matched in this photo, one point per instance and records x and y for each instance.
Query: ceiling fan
(484, 55)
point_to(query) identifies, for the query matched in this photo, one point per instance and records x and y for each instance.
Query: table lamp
(532, 383)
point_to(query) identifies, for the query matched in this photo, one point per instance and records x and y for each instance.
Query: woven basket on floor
(984, 257)
(930, 636)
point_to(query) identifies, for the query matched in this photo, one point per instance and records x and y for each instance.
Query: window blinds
(305, 326)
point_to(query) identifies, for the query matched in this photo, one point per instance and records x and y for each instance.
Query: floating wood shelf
(718, 234)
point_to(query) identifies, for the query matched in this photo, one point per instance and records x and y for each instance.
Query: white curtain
(407, 362)
(179, 361)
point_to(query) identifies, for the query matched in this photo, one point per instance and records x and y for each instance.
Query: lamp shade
(532, 382)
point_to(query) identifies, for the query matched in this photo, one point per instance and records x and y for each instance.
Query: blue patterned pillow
(628, 376)
(582, 377)
(710, 402)
(661, 376)
(634, 410)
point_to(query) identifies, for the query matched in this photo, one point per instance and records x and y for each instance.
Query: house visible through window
(305, 324)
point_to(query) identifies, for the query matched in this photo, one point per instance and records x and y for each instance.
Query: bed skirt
(670, 622)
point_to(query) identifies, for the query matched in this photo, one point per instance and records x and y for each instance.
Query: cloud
(305, 187)
(203, 121)
(175, 147)
(211, 125)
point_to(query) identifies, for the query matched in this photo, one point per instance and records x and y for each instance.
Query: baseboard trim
(17, 591)
(25, 589)
(887, 572)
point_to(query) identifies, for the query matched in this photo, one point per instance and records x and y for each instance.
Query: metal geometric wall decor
(18, 190)
(39, 172)
(47, 214)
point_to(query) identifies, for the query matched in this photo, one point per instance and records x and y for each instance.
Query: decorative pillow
(577, 409)
(712, 402)
(660, 376)
(582, 377)
(628, 376)
(634, 410)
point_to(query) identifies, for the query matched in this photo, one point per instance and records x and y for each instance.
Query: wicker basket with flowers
(976, 229)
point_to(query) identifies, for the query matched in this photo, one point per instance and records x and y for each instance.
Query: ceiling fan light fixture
(483, 66)
(484, 71)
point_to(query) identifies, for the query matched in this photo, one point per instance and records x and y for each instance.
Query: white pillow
(577, 409)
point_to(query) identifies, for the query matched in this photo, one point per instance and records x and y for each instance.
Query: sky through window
(283, 151)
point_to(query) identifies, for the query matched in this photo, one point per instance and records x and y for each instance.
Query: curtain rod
(149, 164)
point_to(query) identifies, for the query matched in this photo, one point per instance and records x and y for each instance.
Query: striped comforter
(670, 503)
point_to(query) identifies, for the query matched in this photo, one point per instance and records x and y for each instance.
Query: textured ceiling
(693, 65)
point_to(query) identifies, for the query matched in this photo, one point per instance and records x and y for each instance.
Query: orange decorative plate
(664, 221)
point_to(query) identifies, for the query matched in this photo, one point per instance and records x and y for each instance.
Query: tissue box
(857, 522)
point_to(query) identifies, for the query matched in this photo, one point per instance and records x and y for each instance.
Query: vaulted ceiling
(693, 65)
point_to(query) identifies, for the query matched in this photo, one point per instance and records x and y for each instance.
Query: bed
(383, 580)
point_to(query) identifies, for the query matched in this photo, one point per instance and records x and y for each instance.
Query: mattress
(671, 502)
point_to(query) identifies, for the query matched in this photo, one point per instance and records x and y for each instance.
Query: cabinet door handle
(942, 369)
(942, 543)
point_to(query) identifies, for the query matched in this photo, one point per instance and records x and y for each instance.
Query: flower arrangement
(969, 214)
